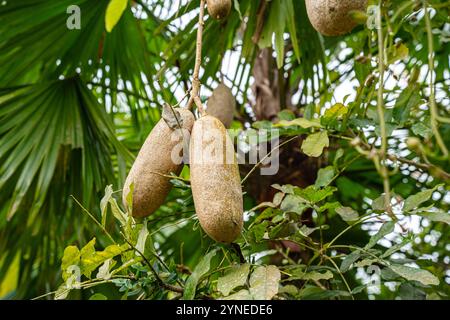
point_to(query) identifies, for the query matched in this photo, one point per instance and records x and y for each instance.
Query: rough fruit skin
(222, 105)
(155, 156)
(218, 9)
(215, 181)
(331, 17)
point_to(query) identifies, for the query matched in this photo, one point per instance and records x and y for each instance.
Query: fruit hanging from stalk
(333, 17)
(155, 161)
(215, 180)
(218, 9)
(222, 105)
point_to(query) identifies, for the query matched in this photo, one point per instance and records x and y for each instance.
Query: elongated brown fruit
(332, 17)
(215, 180)
(222, 105)
(159, 156)
(218, 9)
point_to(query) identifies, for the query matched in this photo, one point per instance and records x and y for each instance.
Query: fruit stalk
(196, 84)
(380, 108)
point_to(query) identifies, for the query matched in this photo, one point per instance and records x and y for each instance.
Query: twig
(432, 102)
(83, 285)
(196, 84)
(184, 269)
(267, 156)
(238, 250)
(160, 282)
(443, 120)
(423, 166)
(259, 22)
(342, 276)
(170, 177)
(93, 218)
(361, 220)
(365, 149)
(181, 100)
(380, 108)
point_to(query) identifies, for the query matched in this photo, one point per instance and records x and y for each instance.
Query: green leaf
(277, 198)
(234, 278)
(263, 124)
(439, 216)
(264, 282)
(379, 204)
(408, 100)
(358, 16)
(266, 214)
(259, 230)
(286, 115)
(290, 13)
(334, 113)
(71, 257)
(407, 291)
(388, 275)
(199, 271)
(282, 230)
(313, 195)
(92, 262)
(289, 289)
(349, 260)
(307, 231)
(293, 203)
(87, 253)
(315, 143)
(395, 248)
(359, 289)
(337, 157)
(267, 205)
(118, 214)
(274, 27)
(414, 274)
(104, 270)
(385, 229)
(244, 294)
(433, 296)
(313, 275)
(365, 263)
(129, 199)
(300, 122)
(330, 206)
(91, 259)
(422, 129)
(98, 296)
(324, 177)
(347, 214)
(397, 52)
(114, 12)
(277, 13)
(104, 203)
(237, 7)
(414, 201)
(142, 238)
(289, 189)
(316, 293)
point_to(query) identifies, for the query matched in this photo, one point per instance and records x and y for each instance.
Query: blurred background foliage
(76, 105)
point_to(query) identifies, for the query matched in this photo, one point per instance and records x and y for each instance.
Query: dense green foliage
(359, 208)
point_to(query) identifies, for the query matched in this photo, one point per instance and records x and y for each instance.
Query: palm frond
(56, 141)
